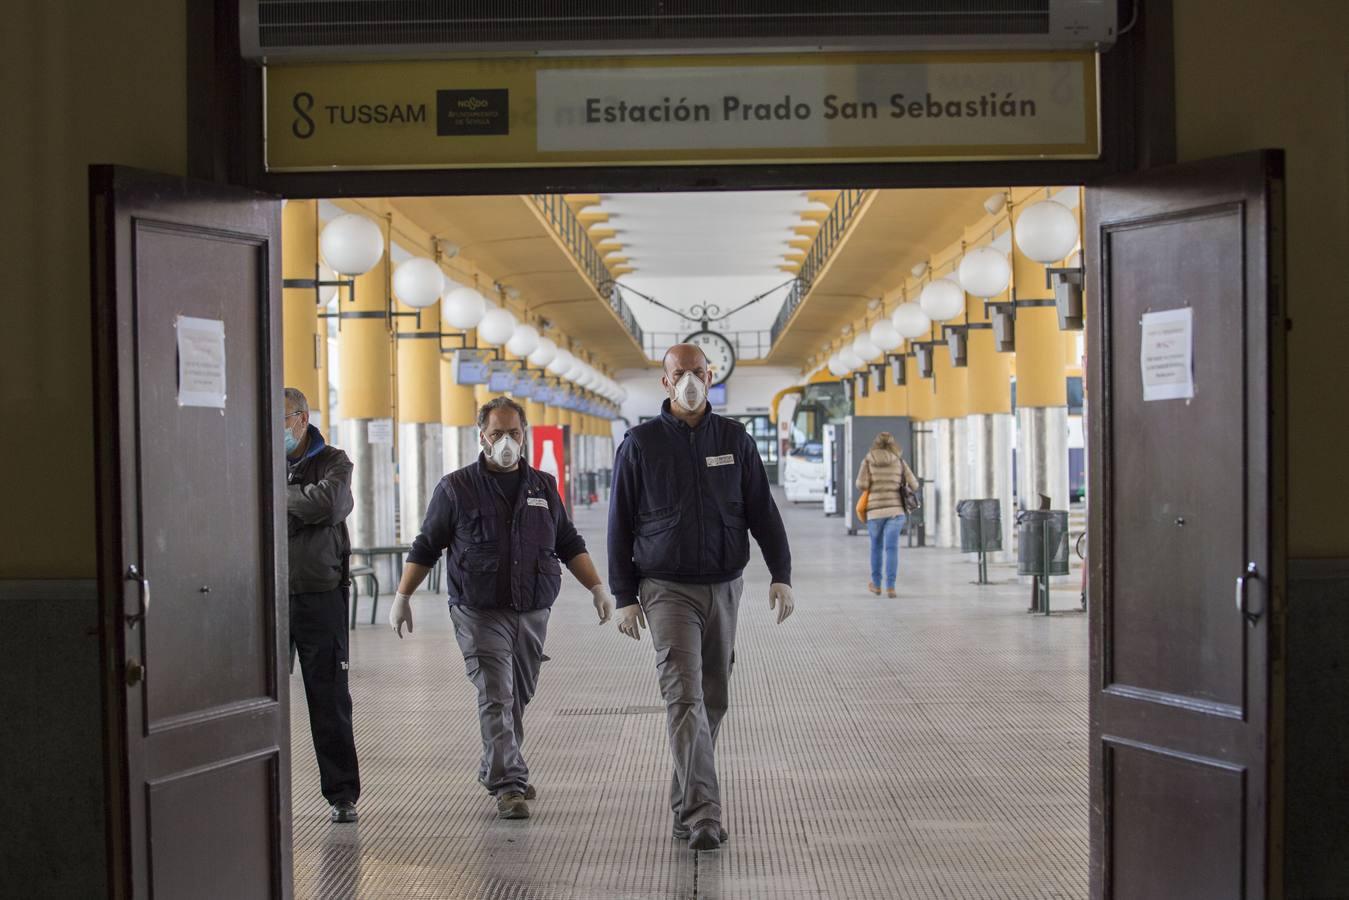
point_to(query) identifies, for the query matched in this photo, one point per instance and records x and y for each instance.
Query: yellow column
(366, 376)
(458, 408)
(920, 392)
(418, 366)
(951, 398)
(304, 348)
(552, 414)
(1040, 380)
(990, 372)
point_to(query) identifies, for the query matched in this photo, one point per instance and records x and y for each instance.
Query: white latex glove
(631, 621)
(401, 614)
(604, 602)
(780, 598)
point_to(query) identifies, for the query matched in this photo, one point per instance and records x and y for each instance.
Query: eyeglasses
(289, 416)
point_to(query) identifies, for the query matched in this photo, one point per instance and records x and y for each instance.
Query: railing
(831, 232)
(577, 240)
(748, 344)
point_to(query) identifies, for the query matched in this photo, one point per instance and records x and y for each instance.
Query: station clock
(719, 350)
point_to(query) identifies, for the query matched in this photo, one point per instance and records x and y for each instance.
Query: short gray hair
(501, 403)
(295, 399)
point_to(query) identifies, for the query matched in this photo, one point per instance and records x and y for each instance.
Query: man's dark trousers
(318, 635)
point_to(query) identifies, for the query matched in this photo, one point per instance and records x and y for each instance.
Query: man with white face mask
(689, 489)
(505, 535)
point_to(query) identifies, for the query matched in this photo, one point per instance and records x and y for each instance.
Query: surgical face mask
(690, 392)
(291, 442)
(505, 452)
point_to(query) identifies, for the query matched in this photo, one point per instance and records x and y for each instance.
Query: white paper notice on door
(201, 362)
(1167, 355)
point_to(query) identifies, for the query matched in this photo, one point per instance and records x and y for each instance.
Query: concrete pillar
(950, 406)
(421, 454)
(1041, 391)
(304, 349)
(366, 386)
(992, 428)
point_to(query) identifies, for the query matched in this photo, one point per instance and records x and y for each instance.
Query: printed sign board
(725, 109)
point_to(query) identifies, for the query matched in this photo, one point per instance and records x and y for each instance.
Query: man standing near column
(318, 501)
(688, 490)
(505, 535)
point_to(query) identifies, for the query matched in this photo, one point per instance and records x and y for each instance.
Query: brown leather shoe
(875, 590)
(890, 592)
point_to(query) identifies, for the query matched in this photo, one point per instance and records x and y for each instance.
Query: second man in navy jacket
(689, 490)
(505, 536)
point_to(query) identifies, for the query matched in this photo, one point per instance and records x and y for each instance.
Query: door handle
(143, 590)
(1251, 574)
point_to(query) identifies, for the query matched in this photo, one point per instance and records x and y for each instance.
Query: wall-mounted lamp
(898, 372)
(878, 373)
(957, 344)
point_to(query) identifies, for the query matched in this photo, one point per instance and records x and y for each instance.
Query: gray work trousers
(503, 650)
(693, 628)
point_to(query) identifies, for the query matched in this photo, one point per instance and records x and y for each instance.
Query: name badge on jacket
(727, 459)
(541, 502)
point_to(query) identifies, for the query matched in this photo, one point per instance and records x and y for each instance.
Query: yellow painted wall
(302, 357)
(1252, 74)
(82, 83)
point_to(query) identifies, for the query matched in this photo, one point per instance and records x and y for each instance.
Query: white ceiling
(735, 233)
(721, 248)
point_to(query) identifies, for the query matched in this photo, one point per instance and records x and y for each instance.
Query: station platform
(934, 745)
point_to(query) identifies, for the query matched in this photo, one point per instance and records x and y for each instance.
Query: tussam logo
(341, 114)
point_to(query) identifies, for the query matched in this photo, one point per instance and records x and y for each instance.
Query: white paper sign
(380, 431)
(1167, 355)
(201, 362)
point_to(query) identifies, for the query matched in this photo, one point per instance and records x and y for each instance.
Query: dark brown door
(190, 509)
(1187, 525)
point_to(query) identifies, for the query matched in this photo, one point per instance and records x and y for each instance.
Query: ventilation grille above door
(275, 30)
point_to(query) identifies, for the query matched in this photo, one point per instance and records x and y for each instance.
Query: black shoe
(512, 805)
(706, 835)
(343, 812)
(681, 832)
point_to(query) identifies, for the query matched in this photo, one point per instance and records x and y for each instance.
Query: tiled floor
(929, 746)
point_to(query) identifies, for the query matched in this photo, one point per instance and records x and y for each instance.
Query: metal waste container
(980, 525)
(1042, 542)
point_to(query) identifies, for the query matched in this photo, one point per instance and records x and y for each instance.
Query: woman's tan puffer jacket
(881, 473)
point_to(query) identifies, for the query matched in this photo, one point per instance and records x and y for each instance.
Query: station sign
(802, 108)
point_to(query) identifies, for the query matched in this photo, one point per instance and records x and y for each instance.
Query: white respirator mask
(690, 392)
(505, 452)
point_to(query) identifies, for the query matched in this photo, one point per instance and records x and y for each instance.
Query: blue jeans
(885, 538)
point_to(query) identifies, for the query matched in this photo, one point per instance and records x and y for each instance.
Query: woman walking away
(883, 470)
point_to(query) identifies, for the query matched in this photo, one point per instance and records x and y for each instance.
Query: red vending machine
(548, 453)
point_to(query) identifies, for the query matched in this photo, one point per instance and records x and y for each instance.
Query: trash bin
(1042, 532)
(980, 525)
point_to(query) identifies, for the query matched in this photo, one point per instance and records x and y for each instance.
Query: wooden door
(192, 571)
(1187, 523)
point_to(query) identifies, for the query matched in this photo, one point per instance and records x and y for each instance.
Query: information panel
(691, 109)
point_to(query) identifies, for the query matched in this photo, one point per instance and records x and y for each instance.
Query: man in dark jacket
(505, 535)
(689, 489)
(318, 501)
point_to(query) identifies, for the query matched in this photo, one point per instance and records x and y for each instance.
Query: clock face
(720, 353)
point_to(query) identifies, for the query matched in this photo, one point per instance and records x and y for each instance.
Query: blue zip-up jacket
(462, 521)
(684, 503)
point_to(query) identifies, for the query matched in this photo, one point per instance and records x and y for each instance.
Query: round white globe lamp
(910, 321)
(524, 341)
(351, 244)
(327, 292)
(942, 299)
(850, 360)
(561, 362)
(543, 354)
(885, 336)
(463, 308)
(496, 327)
(418, 282)
(985, 272)
(1046, 231)
(864, 348)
